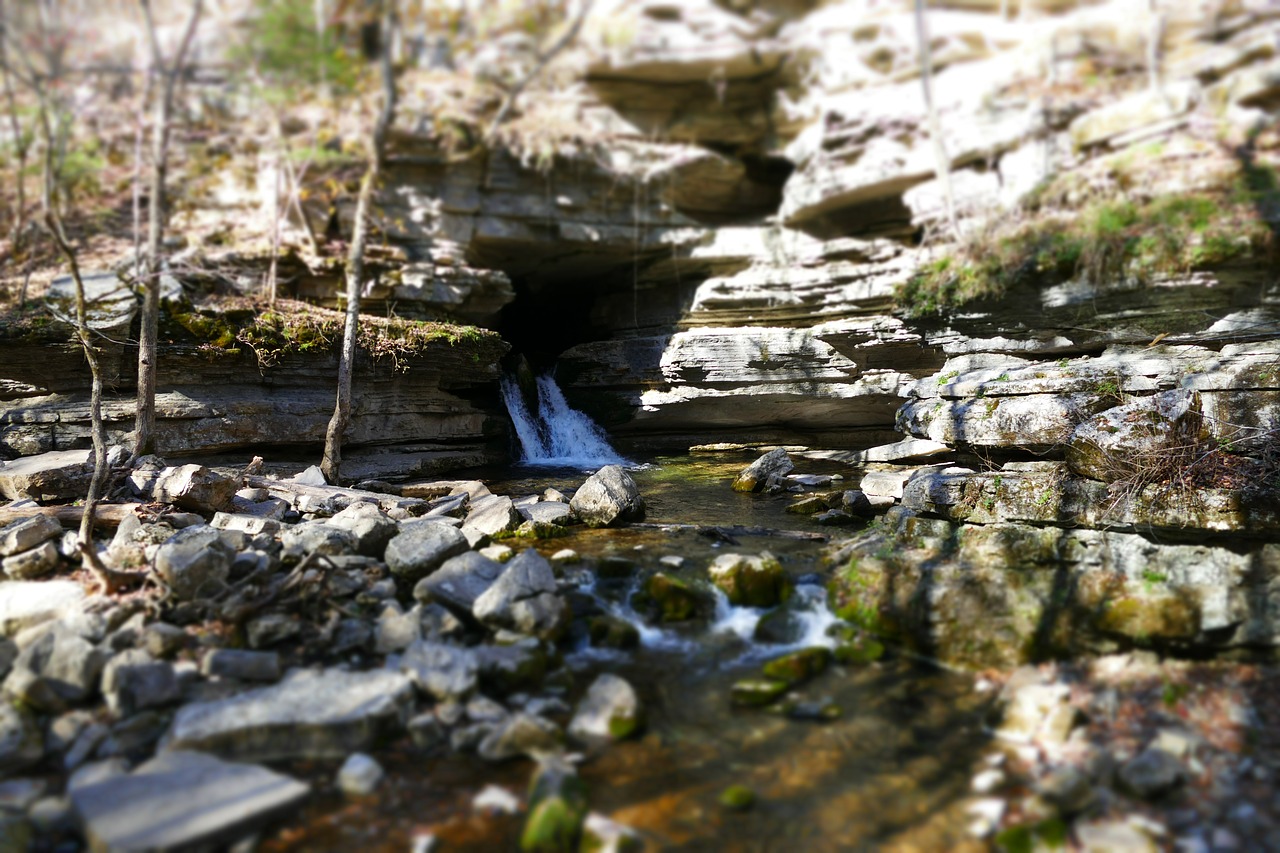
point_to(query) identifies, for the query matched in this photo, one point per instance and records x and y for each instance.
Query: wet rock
(58, 669)
(183, 800)
(359, 775)
(459, 581)
(510, 668)
(557, 809)
(493, 799)
(441, 671)
(271, 629)
(751, 581)
(241, 665)
(1151, 774)
(21, 744)
(753, 478)
(27, 533)
(310, 714)
(610, 710)
(24, 604)
(862, 505)
(608, 497)
(195, 562)
(520, 735)
(666, 598)
(133, 680)
(370, 528)
(798, 666)
(547, 512)
(565, 556)
(421, 547)
(36, 563)
(524, 599)
(610, 632)
(738, 798)
(192, 487)
(57, 475)
(492, 515)
(601, 834)
(808, 505)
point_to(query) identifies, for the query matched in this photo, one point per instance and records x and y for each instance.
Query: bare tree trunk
(942, 163)
(273, 270)
(19, 144)
(332, 461)
(1155, 36)
(144, 424)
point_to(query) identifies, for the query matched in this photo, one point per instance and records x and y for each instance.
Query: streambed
(888, 764)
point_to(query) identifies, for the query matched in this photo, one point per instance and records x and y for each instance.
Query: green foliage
(1109, 239)
(284, 44)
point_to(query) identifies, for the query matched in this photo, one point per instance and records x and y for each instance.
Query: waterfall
(556, 434)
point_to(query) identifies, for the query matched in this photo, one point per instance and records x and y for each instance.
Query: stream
(890, 769)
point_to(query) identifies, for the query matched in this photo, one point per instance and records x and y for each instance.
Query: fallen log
(107, 515)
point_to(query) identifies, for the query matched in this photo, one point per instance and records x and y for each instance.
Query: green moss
(798, 666)
(738, 798)
(756, 692)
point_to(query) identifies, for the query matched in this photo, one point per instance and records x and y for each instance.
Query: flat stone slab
(309, 714)
(907, 450)
(181, 800)
(56, 475)
(27, 603)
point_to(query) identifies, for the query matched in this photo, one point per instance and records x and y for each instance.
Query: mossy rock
(1150, 618)
(756, 692)
(610, 632)
(557, 809)
(752, 581)
(738, 798)
(668, 598)
(808, 505)
(799, 666)
(859, 652)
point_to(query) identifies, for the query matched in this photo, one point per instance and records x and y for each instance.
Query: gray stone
(421, 547)
(605, 835)
(441, 671)
(271, 629)
(547, 512)
(370, 527)
(183, 800)
(1150, 774)
(753, 478)
(396, 629)
(133, 680)
(250, 523)
(24, 604)
(163, 640)
(610, 710)
(195, 562)
(134, 737)
(21, 744)
(58, 669)
(36, 563)
(242, 665)
(310, 714)
(492, 515)
(520, 735)
(359, 775)
(607, 497)
(459, 581)
(1113, 835)
(27, 533)
(524, 599)
(194, 488)
(317, 537)
(57, 475)
(50, 815)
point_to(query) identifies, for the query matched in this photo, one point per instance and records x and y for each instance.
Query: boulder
(524, 599)
(36, 563)
(753, 478)
(557, 808)
(181, 801)
(370, 528)
(21, 744)
(493, 514)
(58, 669)
(57, 475)
(751, 581)
(610, 710)
(421, 547)
(443, 672)
(459, 581)
(192, 487)
(607, 497)
(546, 512)
(27, 533)
(667, 598)
(520, 735)
(317, 537)
(133, 681)
(1144, 432)
(24, 604)
(195, 561)
(360, 775)
(798, 666)
(310, 714)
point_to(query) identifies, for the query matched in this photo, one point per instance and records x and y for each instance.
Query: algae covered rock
(557, 810)
(610, 710)
(1144, 433)
(753, 478)
(756, 692)
(751, 581)
(799, 666)
(607, 497)
(667, 598)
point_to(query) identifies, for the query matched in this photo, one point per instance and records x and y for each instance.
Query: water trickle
(556, 435)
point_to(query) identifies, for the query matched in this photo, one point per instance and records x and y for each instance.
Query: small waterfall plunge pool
(886, 764)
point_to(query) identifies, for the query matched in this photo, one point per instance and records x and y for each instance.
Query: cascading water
(557, 435)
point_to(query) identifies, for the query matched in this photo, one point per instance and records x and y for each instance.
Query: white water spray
(557, 435)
